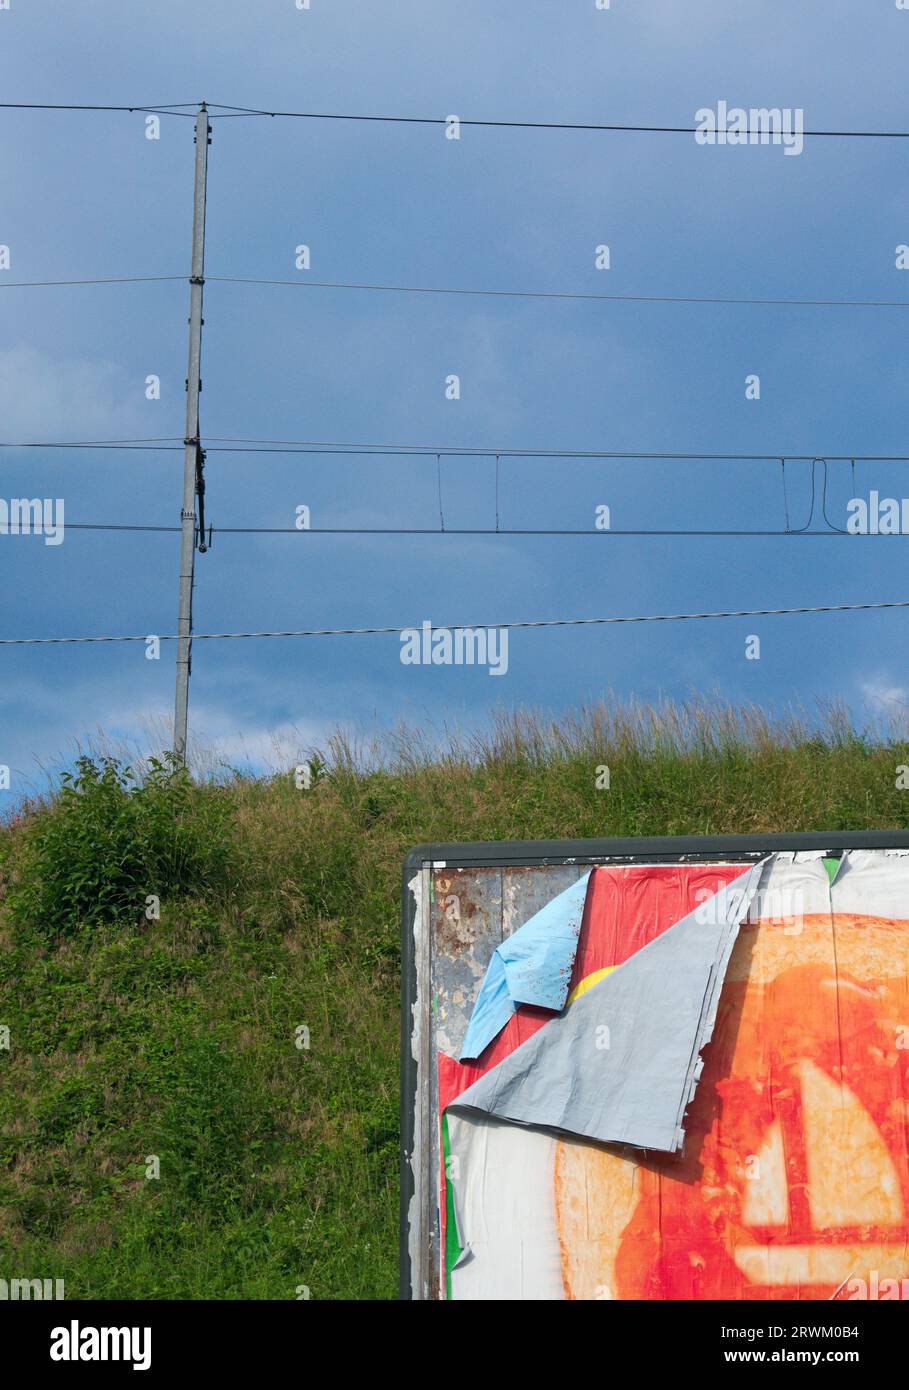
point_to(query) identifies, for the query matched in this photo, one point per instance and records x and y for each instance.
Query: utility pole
(192, 457)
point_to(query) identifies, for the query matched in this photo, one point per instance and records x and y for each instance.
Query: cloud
(885, 697)
(42, 396)
(222, 740)
(131, 731)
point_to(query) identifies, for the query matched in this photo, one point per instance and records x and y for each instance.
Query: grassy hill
(135, 1038)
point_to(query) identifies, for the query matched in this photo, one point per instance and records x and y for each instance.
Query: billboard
(665, 1069)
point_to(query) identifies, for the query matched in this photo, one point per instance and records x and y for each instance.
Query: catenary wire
(99, 280)
(559, 294)
(533, 125)
(460, 627)
(788, 532)
(568, 295)
(226, 444)
(228, 110)
(169, 109)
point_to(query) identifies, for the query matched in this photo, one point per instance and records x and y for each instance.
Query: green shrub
(215, 1133)
(110, 840)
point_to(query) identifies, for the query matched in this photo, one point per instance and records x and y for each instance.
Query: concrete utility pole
(191, 457)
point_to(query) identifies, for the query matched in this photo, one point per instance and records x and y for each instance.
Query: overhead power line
(227, 444)
(229, 111)
(215, 444)
(829, 527)
(158, 109)
(538, 125)
(559, 294)
(436, 627)
(793, 533)
(160, 443)
(478, 293)
(100, 280)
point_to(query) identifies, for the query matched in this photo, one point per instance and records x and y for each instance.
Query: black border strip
(503, 853)
(495, 854)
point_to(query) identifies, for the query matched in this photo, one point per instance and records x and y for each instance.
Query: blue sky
(85, 194)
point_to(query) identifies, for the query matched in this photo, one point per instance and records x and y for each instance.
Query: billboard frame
(495, 854)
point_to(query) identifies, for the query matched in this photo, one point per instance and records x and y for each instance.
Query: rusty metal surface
(466, 929)
(526, 891)
(465, 914)
(473, 910)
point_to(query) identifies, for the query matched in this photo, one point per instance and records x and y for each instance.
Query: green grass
(176, 1037)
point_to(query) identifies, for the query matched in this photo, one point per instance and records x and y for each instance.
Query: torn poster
(621, 1063)
(794, 1179)
(532, 966)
